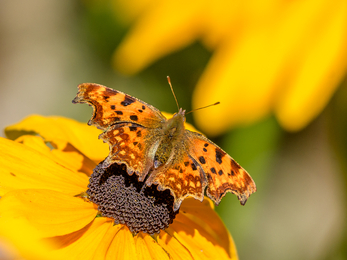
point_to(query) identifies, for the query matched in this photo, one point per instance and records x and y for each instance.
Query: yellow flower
(19, 240)
(280, 57)
(45, 185)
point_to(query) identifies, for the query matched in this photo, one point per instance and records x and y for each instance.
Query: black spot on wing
(206, 144)
(132, 128)
(186, 164)
(204, 149)
(202, 159)
(127, 100)
(143, 107)
(119, 112)
(220, 172)
(116, 118)
(134, 117)
(193, 167)
(140, 110)
(213, 170)
(113, 107)
(139, 134)
(234, 165)
(219, 155)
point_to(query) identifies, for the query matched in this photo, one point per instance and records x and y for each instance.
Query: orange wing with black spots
(222, 172)
(130, 125)
(130, 144)
(112, 106)
(183, 177)
(161, 151)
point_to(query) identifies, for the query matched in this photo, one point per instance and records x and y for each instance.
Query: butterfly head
(181, 114)
(175, 125)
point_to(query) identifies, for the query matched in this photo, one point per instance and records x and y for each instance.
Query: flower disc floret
(130, 202)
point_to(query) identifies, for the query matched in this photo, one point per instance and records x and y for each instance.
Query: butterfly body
(172, 134)
(162, 151)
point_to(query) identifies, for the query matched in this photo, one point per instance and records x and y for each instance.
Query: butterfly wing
(112, 106)
(132, 145)
(133, 129)
(181, 176)
(130, 126)
(223, 173)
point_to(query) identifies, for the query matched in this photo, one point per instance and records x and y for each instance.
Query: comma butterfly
(161, 151)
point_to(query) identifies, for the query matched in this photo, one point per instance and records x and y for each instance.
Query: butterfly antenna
(217, 103)
(168, 80)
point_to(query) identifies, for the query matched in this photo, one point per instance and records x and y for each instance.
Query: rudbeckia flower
(19, 240)
(45, 171)
(269, 57)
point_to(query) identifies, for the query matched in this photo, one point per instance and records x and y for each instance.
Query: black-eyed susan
(280, 57)
(19, 240)
(46, 186)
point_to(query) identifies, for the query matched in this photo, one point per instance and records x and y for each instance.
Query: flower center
(130, 202)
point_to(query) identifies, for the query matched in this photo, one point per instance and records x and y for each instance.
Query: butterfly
(162, 151)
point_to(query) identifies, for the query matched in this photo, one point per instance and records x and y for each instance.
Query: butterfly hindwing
(130, 144)
(182, 177)
(222, 172)
(160, 151)
(112, 106)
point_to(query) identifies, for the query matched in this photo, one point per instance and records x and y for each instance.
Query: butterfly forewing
(137, 132)
(112, 106)
(222, 172)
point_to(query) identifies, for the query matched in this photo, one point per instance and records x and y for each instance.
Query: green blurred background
(47, 48)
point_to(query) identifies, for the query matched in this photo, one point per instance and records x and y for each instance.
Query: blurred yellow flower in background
(280, 57)
(41, 201)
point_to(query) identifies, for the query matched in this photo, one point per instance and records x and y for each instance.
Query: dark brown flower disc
(130, 202)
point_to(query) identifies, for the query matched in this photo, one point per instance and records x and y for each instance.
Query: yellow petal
(234, 78)
(173, 247)
(99, 241)
(204, 215)
(197, 233)
(105, 243)
(197, 240)
(69, 157)
(148, 248)
(23, 167)
(60, 131)
(249, 71)
(72, 158)
(90, 242)
(122, 246)
(19, 240)
(320, 65)
(34, 142)
(158, 38)
(52, 213)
